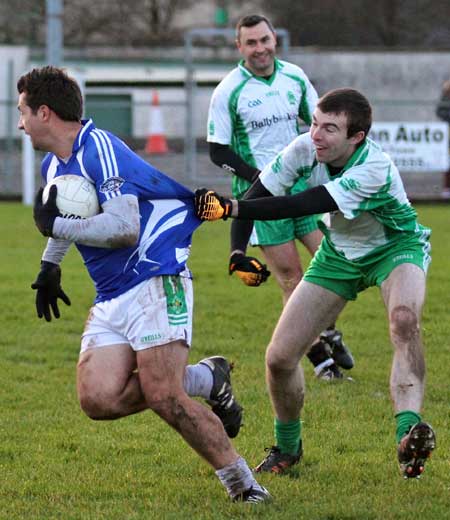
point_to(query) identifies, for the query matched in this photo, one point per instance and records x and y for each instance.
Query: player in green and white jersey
(373, 239)
(254, 113)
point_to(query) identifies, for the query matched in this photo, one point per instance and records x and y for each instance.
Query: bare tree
(105, 22)
(356, 23)
(323, 23)
(24, 25)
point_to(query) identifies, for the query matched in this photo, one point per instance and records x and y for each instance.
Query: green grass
(57, 464)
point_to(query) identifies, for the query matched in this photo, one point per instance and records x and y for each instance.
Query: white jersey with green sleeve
(258, 117)
(374, 210)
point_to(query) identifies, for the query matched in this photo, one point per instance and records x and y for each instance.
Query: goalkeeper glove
(45, 214)
(250, 270)
(48, 287)
(209, 205)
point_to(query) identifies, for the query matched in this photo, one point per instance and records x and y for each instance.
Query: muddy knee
(170, 408)
(404, 323)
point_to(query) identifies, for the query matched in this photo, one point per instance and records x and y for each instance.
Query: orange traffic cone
(156, 140)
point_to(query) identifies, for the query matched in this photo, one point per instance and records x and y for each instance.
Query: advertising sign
(414, 147)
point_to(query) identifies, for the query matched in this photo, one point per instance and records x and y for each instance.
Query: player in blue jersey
(135, 344)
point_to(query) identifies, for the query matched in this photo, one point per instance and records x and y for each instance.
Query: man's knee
(169, 405)
(278, 361)
(96, 408)
(288, 276)
(404, 323)
(99, 403)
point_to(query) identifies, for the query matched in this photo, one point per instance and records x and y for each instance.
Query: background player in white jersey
(373, 239)
(136, 340)
(255, 112)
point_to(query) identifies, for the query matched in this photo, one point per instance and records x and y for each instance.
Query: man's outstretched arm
(212, 206)
(309, 202)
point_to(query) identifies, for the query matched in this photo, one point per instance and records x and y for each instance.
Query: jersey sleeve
(362, 188)
(105, 164)
(287, 167)
(219, 128)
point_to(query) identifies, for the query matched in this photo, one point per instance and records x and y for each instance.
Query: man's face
(257, 46)
(31, 124)
(329, 136)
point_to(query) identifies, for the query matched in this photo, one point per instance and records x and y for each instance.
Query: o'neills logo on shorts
(150, 337)
(406, 256)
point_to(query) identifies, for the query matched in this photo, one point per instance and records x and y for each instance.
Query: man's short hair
(51, 86)
(250, 21)
(353, 104)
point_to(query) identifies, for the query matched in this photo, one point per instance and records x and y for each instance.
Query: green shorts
(275, 232)
(347, 278)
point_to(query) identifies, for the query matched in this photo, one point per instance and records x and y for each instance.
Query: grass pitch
(57, 464)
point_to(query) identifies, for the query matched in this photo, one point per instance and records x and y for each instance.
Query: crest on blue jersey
(111, 184)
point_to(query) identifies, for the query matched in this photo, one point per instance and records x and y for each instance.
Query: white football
(76, 196)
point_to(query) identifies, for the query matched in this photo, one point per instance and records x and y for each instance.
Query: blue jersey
(166, 209)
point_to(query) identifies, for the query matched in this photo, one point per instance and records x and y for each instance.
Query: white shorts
(155, 312)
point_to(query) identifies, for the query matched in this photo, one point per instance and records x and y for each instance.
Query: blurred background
(149, 67)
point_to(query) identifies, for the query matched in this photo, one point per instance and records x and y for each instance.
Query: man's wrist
(45, 264)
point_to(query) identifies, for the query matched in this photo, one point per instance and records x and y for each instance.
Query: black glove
(209, 205)
(250, 270)
(48, 286)
(45, 214)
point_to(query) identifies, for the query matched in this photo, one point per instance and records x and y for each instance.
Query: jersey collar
(358, 157)
(83, 134)
(276, 67)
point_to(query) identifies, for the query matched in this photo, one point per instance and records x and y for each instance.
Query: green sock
(288, 435)
(405, 419)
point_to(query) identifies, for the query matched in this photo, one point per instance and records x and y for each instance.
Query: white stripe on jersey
(101, 139)
(112, 154)
(100, 155)
(105, 163)
(107, 158)
(83, 131)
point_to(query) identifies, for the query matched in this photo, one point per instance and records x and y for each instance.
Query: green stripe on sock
(288, 435)
(405, 419)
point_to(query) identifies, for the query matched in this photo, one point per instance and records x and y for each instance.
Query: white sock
(237, 477)
(198, 381)
(324, 364)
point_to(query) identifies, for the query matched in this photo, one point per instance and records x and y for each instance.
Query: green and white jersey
(258, 117)
(374, 210)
